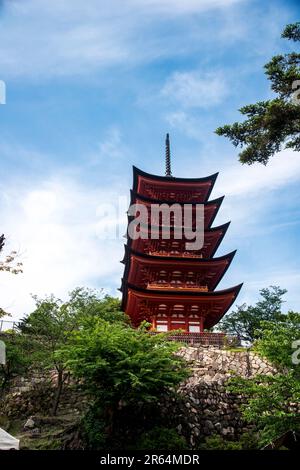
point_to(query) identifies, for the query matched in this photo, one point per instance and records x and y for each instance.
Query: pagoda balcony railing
(202, 339)
(168, 285)
(178, 254)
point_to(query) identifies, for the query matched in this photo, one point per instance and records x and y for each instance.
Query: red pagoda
(164, 283)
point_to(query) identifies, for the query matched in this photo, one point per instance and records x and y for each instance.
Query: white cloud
(57, 228)
(110, 149)
(244, 180)
(182, 121)
(283, 277)
(195, 89)
(39, 38)
(252, 191)
(175, 7)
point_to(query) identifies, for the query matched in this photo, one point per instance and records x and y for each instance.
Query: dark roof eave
(179, 259)
(231, 290)
(134, 194)
(238, 288)
(137, 172)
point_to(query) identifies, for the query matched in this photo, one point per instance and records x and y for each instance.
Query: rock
(218, 426)
(29, 423)
(208, 425)
(35, 431)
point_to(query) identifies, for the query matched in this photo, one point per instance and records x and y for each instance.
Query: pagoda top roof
(196, 189)
(171, 179)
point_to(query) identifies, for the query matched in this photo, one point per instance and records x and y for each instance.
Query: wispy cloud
(252, 194)
(184, 122)
(46, 39)
(195, 89)
(179, 7)
(244, 180)
(57, 227)
(111, 150)
(286, 278)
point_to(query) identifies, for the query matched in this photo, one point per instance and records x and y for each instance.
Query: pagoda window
(178, 308)
(194, 328)
(176, 274)
(194, 308)
(162, 274)
(161, 326)
(162, 308)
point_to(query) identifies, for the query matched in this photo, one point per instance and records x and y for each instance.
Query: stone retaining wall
(203, 406)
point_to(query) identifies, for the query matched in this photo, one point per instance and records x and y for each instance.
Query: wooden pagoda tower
(163, 283)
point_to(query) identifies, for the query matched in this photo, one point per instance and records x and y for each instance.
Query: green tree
(121, 367)
(245, 322)
(273, 400)
(274, 124)
(280, 341)
(53, 321)
(9, 264)
(20, 354)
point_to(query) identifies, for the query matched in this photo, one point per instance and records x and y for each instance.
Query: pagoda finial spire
(168, 157)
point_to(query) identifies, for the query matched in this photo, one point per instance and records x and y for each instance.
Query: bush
(247, 441)
(161, 438)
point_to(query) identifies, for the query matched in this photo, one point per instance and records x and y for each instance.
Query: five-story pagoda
(164, 283)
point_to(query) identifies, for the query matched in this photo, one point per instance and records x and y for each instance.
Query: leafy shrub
(161, 438)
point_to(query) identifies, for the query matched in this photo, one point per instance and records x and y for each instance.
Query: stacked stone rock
(203, 406)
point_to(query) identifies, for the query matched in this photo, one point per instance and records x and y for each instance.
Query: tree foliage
(274, 124)
(245, 321)
(123, 369)
(121, 362)
(21, 353)
(9, 264)
(53, 321)
(280, 342)
(274, 400)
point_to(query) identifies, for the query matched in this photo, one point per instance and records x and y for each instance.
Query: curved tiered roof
(208, 271)
(163, 282)
(160, 187)
(212, 240)
(212, 305)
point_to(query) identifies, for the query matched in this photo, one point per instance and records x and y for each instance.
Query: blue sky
(92, 88)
